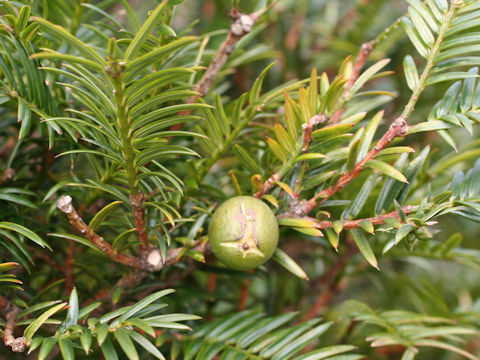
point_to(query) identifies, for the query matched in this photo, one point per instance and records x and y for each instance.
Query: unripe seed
(243, 233)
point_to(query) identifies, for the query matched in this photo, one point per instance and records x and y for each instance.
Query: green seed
(243, 233)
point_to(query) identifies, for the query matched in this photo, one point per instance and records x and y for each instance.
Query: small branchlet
(365, 51)
(241, 25)
(65, 205)
(139, 216)
(149, 260)
(398, 128)
(268, 185)
(376, 220)
(10, 311)
(308, 129)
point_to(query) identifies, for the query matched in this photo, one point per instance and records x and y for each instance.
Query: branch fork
(65, 205)
(398, 128)
(150, 259)
(268, 185)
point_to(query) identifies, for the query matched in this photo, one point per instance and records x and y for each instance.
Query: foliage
(122, 130)
(248, 334)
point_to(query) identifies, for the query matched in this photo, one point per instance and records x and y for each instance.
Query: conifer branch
(241, 25)
(307, 139)
(366, 50)
(376, 220)
(128, 151)
(65, 205)
(398, 128)
(151, 260)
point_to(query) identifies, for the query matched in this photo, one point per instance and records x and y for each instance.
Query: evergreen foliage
(123, 128)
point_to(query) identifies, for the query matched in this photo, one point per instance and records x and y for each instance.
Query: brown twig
(241, 25)
(268, 185)
(308, 129)
(10, 311)
(397, 129)
(151, 261)
(376, 220)
(65, 205)
(350, 16)
(365, 51)
(139, 216)
(295, 31)
(208, 9)
(211, 283)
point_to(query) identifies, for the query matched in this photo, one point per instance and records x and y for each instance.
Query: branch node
(237, 29)
(65, 204)
(308, 129)
(247, 22)
(268, 185)
(155, 258)
(8, 174)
